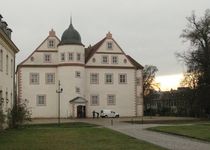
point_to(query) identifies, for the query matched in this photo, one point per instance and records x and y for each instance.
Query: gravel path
(139, 131)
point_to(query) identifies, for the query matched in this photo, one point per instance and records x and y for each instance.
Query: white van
(109, 113)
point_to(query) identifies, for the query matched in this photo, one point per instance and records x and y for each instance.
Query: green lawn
(198, 131)
(74, 136)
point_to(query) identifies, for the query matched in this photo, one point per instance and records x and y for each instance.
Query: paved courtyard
(139, 131)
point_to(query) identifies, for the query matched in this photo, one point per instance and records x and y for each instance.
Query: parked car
(105, 113)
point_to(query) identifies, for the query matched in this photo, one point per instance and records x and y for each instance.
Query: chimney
(109, 35)
(9, 32)
(52, 33)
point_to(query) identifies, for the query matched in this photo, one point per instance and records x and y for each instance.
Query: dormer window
(105, 59)
(62, 56)
(109, 45)
(47, 58)
(51, 44)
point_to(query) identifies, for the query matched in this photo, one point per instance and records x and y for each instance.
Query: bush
(18, 115)
(2, 119)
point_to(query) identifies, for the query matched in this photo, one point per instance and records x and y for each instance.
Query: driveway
(139, 131)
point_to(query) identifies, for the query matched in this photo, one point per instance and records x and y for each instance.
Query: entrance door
(81, 112)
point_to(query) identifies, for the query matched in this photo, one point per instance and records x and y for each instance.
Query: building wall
(29, 92)
(124, 93)
(7, 79)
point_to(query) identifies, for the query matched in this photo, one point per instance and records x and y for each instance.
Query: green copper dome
(70, 36)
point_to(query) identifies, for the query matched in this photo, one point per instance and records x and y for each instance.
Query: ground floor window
(111, 99)
(41, 100)
(94, 100)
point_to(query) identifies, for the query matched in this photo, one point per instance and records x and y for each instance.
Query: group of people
(95, 114)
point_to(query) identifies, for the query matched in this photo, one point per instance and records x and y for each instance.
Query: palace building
(62, 73)
(7, 65)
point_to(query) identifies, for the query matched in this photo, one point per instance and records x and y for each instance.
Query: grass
(75, 136)
(197, 131)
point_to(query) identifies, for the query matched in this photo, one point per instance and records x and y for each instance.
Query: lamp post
(59, 91)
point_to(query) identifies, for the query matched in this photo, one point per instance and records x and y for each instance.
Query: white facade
(92, 79)
(7, 61)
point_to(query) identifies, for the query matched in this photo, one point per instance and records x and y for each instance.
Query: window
(41, 100)
(47, 58)
(111, 99)
(122, 78)
(1, 98)
(77, 74)
(93, 60)
(109, 45)
(7, 100)
(11, 68)
(105, 59)
(7, 64)
(78, 56)
(94, 78)
(32, 59)
(114, 59)
(71, 56)
(34, 78)
(11, 97)
(50, 78)
(51, 44)
(1, 60)
(109, 78)
(62, 56)
(94, 100)
(137, 81)
(125, 61)
(77, 90)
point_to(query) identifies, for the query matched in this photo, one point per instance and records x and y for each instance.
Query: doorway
(81, 111)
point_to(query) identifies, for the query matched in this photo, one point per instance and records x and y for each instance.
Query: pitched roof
(134, 62)
(91, 50)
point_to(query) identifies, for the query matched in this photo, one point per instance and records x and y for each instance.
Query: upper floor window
(71, 56)
(138, 81)
(1, 60)
(51, 44)
(1, 98)
(41, 100)
(109, 78)
(77, 74)
(94, 100)
(50, 78)
(77, 90)
(109, 45)
(114, 59)
(12, 68)
(111, 99)
(122, 78)
(78, 56)
(34, 78)
(94, 78)
(7, 64)
(104, 59)
(62, 56)
(47, 58)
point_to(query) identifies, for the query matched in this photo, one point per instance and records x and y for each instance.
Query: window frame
(102, 59)
(91, 100)
(119, 78)
(51, 43)
(109, 45)
(114, 99)
(113, 59)
(34, 83)
(62, 55)
(77, 74)
(112, 78)
(72, 56)
(91, 78)
(46, 78)
(1, 60)
(79, 57)
(50, 58)
(44, 100)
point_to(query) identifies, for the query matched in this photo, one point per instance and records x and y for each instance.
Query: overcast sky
(148, 30)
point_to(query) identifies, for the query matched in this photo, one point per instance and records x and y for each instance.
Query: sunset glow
(168, 82)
